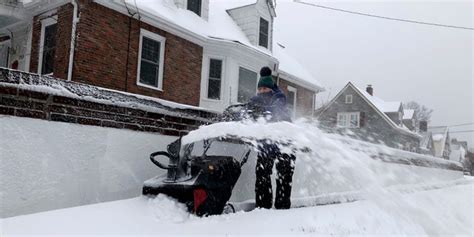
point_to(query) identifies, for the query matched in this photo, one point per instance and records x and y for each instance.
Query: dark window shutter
(362, 119)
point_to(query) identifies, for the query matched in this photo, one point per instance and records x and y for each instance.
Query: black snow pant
(269, 154)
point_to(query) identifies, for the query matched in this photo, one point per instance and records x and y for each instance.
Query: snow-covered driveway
(446, 211)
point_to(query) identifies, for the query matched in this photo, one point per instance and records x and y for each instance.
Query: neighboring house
(369, 118)
(195, 52)
(441, 141)
(409, 119)
(458, 150)
(426, 143)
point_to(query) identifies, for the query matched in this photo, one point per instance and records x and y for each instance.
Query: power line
(462, 131)
(384, 17)
(459, 125)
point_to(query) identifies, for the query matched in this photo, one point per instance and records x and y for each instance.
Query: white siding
(233, 58)
(248, 19)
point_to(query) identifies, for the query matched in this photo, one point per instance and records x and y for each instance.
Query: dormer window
(195, 6)
(263, 34)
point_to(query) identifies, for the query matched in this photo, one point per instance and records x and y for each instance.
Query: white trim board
(44, 23)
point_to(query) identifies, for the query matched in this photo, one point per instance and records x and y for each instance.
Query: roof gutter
(75, 20)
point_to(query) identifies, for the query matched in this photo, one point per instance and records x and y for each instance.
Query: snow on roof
(392, 106)
(438, 130)
(231, 4)
(384, 107)
(290, 65)
(220, 25)
(408, 113)
(438, 137)
(440, 134)
(167, 10)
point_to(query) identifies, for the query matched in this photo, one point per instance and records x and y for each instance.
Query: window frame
(294, 90)
(260, 32)
(238, 80)
(347, 120)
(45, 23)
(222, 59)
(200, 10)
(348, 99)
(162, 41)
(5, 45)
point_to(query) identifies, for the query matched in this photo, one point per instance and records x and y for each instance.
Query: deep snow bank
(329, 163)
(49, 165)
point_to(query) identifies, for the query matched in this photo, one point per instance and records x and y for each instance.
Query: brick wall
(103, 49)
(101, 56)
(304, 98)
(33, 96)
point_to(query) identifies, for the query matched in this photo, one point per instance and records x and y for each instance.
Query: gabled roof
(386, 107)
(233, 4)
(377, 104)
(440, 134)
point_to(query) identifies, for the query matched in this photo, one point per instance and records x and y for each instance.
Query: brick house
(368, 118)
(195, 52)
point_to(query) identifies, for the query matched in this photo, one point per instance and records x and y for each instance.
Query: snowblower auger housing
(197, 175)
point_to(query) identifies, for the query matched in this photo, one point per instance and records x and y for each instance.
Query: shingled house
(369, 118)
(194, 52)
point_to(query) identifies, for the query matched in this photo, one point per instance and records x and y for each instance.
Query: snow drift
(329, 163)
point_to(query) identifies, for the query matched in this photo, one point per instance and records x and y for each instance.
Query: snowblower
(202, 174)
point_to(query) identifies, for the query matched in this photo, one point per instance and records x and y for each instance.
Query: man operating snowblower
(272, 102)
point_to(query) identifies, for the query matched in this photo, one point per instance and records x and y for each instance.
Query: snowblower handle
(157, 163)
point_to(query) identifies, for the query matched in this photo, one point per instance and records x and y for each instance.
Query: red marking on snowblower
(200, 196)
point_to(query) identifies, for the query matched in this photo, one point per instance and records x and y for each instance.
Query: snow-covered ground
(445, 211)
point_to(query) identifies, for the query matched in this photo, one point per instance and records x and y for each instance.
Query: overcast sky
(403, 61)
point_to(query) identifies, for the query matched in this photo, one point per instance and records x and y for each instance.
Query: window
(263, 34)
(195, 6)
(4, 50)
(348, 99)
(150, 60)
(291, 100)
(47, 46)
(247, 85)
(215, 79)
(348, 120)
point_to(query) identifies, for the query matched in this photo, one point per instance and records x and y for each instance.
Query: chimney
(423, 126)
(370, 90)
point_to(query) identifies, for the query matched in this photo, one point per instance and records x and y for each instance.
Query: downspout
(75, 19)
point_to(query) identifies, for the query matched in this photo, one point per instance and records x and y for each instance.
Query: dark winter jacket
(273, 102)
